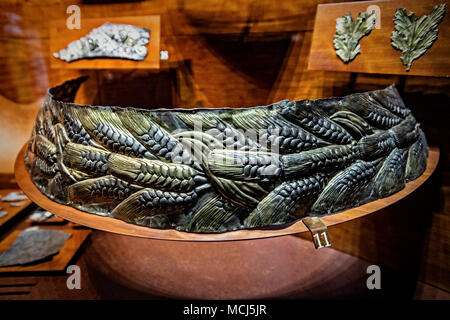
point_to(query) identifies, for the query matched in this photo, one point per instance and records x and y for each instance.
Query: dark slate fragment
(33, 245)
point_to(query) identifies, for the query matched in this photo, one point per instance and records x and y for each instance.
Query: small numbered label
(317, 240)
(318, 231)
(164, 55)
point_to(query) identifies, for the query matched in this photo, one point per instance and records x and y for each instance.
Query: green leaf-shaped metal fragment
(349, 32)
(413, 36)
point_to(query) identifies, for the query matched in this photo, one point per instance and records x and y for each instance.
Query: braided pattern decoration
(247, 167)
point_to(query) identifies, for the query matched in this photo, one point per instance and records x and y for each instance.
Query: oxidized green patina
(413, 36)
(349, 32)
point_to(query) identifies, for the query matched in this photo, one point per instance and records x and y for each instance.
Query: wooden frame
(121, 227)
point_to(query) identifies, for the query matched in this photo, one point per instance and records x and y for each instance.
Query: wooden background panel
(377, 54)
(248, 17)
(16, 121)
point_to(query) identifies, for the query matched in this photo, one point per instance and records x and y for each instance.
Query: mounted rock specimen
(349, 32)
(33, 245)
(108, 41)
(217, 170)
(40, 215)
(413, 36)
(14, 196)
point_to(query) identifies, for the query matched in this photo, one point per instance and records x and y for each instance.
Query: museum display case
(224, 150)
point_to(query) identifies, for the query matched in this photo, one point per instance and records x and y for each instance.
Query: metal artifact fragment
(413, 35)
(17, 204)
(108, 41)
(40, 215)
(246, 167)
(349, 32)
(14, 196)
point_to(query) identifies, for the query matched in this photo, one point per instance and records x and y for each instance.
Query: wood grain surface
(60, 37)
(377, 54)
(121, 227)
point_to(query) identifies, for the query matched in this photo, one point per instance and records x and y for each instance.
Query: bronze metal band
(217, 170)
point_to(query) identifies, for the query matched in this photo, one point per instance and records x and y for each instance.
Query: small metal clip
(318, 231)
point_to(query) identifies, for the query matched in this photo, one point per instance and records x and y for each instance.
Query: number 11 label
(318, 231)
(317, 240)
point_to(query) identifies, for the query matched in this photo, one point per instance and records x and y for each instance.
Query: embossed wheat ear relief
(218, 170)
(413, 36)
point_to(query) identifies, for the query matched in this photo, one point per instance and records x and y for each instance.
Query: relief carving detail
(217, 170)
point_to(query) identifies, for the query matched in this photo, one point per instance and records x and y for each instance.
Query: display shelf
(121, 227)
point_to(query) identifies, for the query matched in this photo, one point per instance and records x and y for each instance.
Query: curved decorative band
(216, 170)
